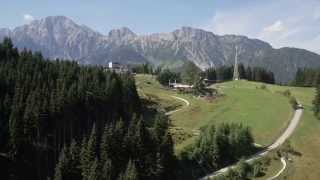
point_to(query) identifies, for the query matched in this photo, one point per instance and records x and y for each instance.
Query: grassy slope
(243, 103)
(267, 113)
(305, 140)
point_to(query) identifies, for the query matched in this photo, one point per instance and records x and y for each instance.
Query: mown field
(266, 110)
(267, 113)
(305, 141)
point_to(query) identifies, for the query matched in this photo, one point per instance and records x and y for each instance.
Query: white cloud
(279, 22)
(28, 18)
(276, 30)
(277, 27)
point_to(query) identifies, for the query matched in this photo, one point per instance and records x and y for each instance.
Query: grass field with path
(305, 140)
(267, 113)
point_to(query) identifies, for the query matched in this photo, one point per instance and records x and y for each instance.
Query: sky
(282, 23)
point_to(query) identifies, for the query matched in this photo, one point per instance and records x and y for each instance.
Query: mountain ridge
(60, 37)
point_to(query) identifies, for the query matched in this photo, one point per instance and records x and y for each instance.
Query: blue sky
(280, 22)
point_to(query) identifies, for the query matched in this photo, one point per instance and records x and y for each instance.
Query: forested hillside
(59, 120)
(225, 73)
(307, 78)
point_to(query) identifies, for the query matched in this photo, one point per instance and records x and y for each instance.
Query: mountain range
(60, 37)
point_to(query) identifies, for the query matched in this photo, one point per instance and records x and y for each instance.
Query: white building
(176, 85)
(117, 67)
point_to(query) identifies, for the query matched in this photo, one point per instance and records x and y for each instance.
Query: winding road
(284, 136)
(284, 165)
(181, 99)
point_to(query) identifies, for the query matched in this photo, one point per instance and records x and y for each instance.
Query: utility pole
(236, 70)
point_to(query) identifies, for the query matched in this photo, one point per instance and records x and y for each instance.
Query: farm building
(117, 67)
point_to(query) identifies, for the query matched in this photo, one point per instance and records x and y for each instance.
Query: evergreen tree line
(190, 74)
(225, 73)
(165, 76)
(316, 102)
(310, 78)
(123, 153)
(144, 68)
(59, 119)
(307, 78)
(217, 147)
(243, 171)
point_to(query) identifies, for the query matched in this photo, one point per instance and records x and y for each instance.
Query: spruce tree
(106, 173)
(62, 167)
(83, 158)
(131, 172)
(74, 158)
(94, 171)
(167, 156)
(316, 102)
(88, 154)
(106, 139)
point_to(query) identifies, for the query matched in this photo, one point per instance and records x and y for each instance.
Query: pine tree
(83, 158)
(74, 158)
(94, 171)
(88, 154)
(160, 127)
(62, 168)
(249, 73)
(242, 71)
(130, 173)
(16, 127)
(106, 139)
(92, 145)
(106, 172)
(167, 157)
(316, 102)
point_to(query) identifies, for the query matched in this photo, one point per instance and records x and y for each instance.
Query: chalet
(180, 86)
(117, 67)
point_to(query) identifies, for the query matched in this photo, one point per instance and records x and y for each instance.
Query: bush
(232, 175)
(263, 86)
(287, 93)
(244, 169)
(219, 146)
(293, 102)
(285, 150)
(257, 169)
(166, 75)
(265, 161)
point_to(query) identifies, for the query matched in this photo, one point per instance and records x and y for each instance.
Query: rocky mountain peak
(123, 33)
(60, 37)
(192, 33)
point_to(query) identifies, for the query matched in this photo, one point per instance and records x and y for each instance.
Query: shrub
(244, 169)
(293, 102)
(166, 75)
(263, 86)
(287, 93)
(257, 168)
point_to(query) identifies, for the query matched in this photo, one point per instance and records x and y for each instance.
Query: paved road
(181, 99)
(284, 165)
(285, 135)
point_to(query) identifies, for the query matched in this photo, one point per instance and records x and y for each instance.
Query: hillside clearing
(267, 113)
